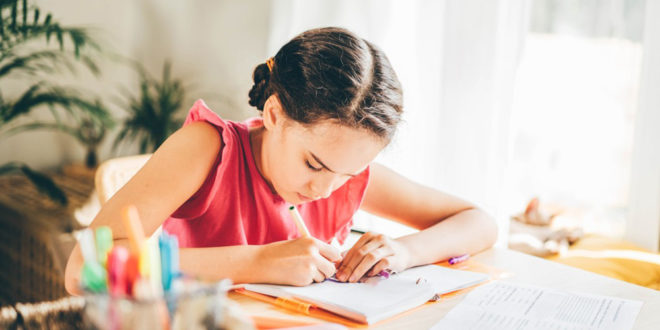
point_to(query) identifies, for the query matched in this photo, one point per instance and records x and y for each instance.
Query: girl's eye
(312, 167)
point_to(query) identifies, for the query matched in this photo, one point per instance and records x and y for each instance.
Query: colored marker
(131, 272)
(103, 244)
(154, 267)
(461, 258)
(139, 245)
(93, 276)
(117, 259)
(133, 226)
(169, 259)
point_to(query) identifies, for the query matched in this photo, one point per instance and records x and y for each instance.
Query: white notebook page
(378, 298)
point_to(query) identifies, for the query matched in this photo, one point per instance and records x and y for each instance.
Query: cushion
(614, 258)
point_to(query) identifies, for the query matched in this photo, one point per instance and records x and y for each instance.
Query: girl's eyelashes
(312, 167)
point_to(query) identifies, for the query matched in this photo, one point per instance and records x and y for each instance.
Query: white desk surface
(520, 268)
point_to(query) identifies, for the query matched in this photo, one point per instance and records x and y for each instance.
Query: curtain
(456, 60)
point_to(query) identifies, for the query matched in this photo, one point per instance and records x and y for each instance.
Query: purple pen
(461, 258)
(385, 273)
(333, 279)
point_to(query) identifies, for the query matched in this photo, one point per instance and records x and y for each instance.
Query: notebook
(377, 298)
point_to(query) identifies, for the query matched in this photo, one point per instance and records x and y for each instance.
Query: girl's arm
(448, 227)
(174, 173)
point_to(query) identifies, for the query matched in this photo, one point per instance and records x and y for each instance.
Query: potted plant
(21, 26)
(153, 114)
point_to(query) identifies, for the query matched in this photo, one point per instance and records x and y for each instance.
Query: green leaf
(36, 17)
(12, 27)
(29, 63)
(24, 27)
(2, 25)
(60, 37)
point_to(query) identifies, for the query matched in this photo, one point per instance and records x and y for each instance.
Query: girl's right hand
(298, 262)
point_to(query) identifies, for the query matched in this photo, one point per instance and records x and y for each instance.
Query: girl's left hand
(371, 254)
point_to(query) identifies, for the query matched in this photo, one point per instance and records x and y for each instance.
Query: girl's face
(305, 163)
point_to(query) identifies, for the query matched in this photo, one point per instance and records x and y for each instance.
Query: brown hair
(330, 73)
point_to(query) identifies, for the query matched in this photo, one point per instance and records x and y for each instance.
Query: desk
(522, 268)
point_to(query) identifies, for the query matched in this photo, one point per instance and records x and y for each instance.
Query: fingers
(325, 267)
(368, 262)
(350, 255)
(319, 276)
(364, 255)
(324, 257)
(329, 252)
(383, 264)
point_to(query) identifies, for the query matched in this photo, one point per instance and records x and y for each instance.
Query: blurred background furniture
(36, 235)
(114, 173)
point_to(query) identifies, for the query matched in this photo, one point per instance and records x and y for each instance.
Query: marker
(131, 272)
(154, 267)
(86, 240)
(93, 275)
(117, 259)
(133, 226)
(139, 246)
(169, 259)
(103, 244)
(302, 229)
(461, 258)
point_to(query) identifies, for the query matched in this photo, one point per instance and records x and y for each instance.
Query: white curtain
(456, 60)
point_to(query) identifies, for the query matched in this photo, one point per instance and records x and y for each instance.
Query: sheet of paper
(504, 305)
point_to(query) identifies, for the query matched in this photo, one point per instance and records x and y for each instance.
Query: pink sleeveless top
(235, 206)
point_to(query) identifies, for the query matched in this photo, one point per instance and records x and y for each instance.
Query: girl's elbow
(489, 229)
(72, 273)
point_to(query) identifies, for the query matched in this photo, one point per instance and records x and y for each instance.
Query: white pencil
(299, 222)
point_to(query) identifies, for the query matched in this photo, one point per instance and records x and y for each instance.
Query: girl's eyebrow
(326, 167)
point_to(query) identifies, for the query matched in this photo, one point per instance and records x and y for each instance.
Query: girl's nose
(322, 192)
(322, 188)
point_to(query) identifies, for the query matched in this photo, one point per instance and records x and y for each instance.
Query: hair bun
(259, 92)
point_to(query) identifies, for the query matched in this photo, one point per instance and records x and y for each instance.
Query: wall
(213, 47)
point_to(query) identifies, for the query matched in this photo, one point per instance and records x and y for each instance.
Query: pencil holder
(193, 305)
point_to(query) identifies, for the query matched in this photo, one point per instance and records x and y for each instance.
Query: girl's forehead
(328, 132)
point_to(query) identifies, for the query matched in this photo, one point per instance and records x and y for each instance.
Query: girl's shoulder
(202, 118)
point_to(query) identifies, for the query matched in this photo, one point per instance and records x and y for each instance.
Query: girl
(330, 102)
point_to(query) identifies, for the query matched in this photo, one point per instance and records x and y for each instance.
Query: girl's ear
(273, 113)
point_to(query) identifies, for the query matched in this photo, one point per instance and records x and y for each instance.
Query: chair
(113, 174)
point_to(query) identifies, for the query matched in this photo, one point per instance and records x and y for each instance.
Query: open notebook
(377, 299)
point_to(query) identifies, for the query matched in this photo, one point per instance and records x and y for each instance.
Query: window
(574, 109)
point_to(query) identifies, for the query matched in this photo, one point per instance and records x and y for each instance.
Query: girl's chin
(303, 199)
